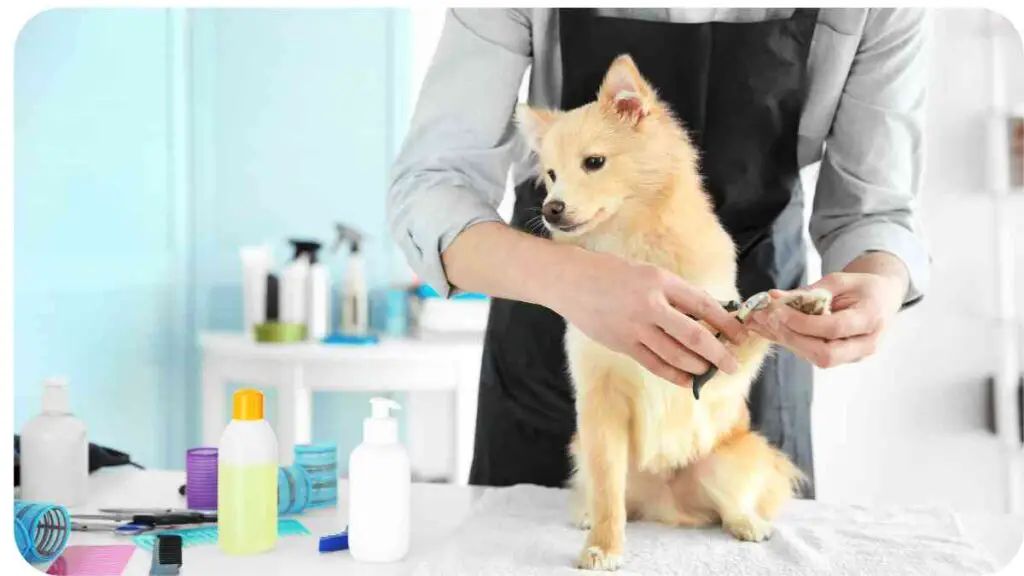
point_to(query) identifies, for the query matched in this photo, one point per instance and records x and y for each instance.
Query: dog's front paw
(815, 302)
(748, 528)
(596, 558)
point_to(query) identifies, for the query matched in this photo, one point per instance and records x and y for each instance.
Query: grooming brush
(166, 555)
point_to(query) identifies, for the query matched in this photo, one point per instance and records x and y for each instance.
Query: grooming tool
(132, 522)
(92, 560)
(294, 490)
(207, 535)
(320, 461)
(41, 530)
(334, 542)
(166, 554)
(201, 478)
(758, 301)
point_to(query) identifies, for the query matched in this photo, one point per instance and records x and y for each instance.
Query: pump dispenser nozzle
(382, 407)
(380, 427)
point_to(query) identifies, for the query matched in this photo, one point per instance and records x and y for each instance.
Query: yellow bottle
(247, 479)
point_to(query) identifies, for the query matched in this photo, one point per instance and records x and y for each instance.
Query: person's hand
(641, 310)
(865, 299)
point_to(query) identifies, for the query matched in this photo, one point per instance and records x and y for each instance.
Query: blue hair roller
(294, 490)
(41, 530)
(320, 461)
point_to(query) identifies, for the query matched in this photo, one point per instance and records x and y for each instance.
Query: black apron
(739, 89)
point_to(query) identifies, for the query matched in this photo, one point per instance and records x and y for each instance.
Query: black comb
(166, 554)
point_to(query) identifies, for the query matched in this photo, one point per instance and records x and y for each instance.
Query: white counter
(438, 509)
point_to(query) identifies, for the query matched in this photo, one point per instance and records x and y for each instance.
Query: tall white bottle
(54, 451)
(318, 301)
(294, 291)
(379, 486)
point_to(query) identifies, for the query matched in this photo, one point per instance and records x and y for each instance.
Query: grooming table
(458, 530)
(524, 531)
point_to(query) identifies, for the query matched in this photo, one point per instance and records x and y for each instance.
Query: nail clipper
(758, 301)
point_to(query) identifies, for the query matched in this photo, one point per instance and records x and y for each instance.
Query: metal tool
(136, 521)
(758, 301)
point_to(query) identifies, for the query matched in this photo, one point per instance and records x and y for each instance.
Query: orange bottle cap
(248, 405)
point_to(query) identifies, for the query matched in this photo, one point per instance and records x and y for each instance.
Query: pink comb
(92, 560)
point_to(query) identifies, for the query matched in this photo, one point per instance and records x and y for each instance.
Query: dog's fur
(645, 449)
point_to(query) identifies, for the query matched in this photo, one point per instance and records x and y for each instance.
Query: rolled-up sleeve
(871, 171)
(451, 171)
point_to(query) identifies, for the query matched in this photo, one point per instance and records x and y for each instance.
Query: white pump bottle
(379, 483)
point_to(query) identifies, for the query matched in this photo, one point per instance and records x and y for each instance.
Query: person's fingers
(701, 305)
(827, 353)
(655, 365)
(848, 323)
(760, 323)
(696, 337)
(673, 353)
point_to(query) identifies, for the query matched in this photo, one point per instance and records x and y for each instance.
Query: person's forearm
(494, 259)
(882, 264)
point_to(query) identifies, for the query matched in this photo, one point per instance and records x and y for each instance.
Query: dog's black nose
(553, 211)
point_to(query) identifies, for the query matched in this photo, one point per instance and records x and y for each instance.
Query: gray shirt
(863, 120)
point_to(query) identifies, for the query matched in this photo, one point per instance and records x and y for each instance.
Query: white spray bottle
(354, 293)
(379, 483)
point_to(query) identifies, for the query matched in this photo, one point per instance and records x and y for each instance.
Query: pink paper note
(92, 561)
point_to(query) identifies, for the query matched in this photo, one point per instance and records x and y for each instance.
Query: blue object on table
(350, 340)
(396, 312)
(320, 461)
(41, 530)
(334, 542)
(294, 490)
(424, 291)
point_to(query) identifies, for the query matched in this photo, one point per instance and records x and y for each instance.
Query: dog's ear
(625, 92)
(534, 123)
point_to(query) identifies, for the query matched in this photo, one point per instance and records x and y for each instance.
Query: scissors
(130, 522)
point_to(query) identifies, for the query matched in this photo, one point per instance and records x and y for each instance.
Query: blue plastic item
(334, 542)
(320, 462)
(294, 490)
(349, 340)
(207, 535)
(424, 291)
(41, 530)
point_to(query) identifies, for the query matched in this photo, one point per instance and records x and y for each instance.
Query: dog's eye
(551, 174)
(593, 163)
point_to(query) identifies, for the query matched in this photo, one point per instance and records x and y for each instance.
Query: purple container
(201, 479)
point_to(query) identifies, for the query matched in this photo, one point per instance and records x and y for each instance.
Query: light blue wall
(150, 145)
(94, 232)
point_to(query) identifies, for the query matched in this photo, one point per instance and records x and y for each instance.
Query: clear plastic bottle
(247, 473)
(380, 482)
(54, 451)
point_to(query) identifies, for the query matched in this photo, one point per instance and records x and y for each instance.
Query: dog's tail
(788, 481)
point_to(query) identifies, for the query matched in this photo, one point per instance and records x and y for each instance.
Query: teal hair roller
(41, 530)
